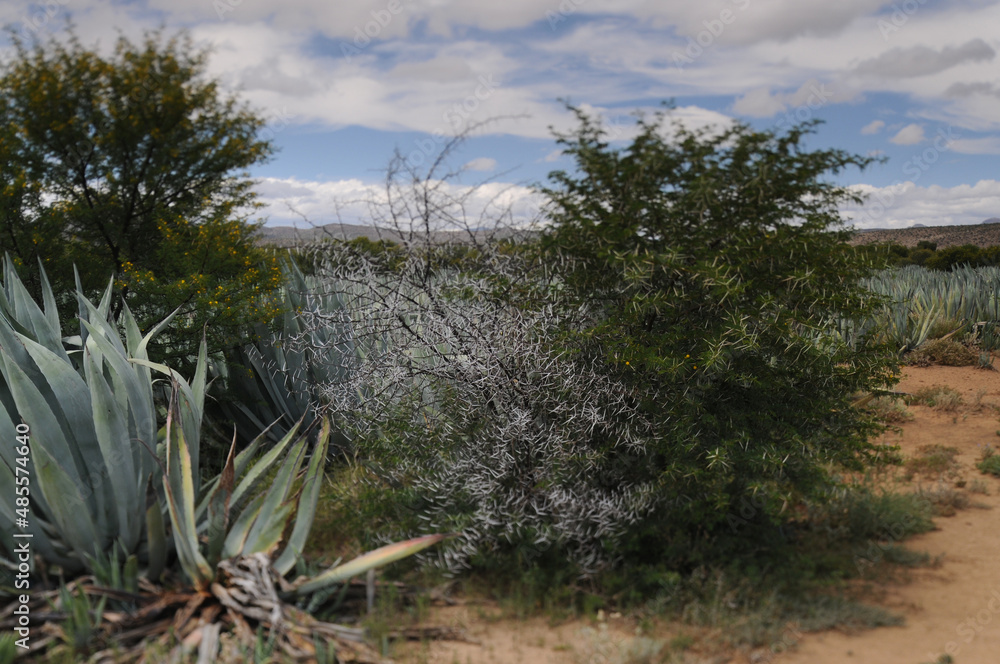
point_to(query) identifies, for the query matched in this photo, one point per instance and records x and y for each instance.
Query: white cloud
(911, 134)
(759, 103)
(905, 204)
(296, 202)
(988, 145)
(810, 96)
(482, 164)
(553, 156)
(922, 60)
(873, 127)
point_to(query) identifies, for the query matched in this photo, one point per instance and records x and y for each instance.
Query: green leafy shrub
(989, 462)
(709, 265)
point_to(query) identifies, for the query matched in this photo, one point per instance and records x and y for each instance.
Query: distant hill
(288, 236)
(986, 234)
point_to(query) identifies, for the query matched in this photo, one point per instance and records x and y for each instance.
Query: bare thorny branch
(459, 366)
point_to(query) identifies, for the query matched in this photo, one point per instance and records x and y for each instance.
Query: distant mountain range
(984, 234)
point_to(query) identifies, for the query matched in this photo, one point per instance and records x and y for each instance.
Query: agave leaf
(119, 465)
(200, 375)
(51, 309)
(140, 350)
(96, 323)
(237, 536)
(40, 540)
(66, 504)
(156, 538)
(275, 510)
(29, 314)
(188, 405)
(135, 395)
(179, 485)
(371, 560)
(257, 472)
(306, 510)
(218, 508)
(50, 427)
(266, 533)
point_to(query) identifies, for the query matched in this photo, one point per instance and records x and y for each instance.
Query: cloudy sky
(345, 84)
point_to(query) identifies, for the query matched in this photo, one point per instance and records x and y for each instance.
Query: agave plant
(92, 423)
(97, 483)
(919, 297)
(273, 383)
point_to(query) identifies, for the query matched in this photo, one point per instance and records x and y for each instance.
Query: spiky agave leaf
(371, 560)
(179, 485)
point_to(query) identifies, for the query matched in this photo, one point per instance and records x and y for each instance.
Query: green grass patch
(989, 462)
(932, 461)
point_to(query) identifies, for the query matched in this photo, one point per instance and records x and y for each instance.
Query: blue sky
(345, 84)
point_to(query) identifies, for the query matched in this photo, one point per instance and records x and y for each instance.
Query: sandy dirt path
(953, 608)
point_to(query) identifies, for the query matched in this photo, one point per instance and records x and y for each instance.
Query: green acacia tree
(133, 165)
(710, 265)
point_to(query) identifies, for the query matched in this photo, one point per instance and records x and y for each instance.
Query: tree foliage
(133, 165)
(712, 264)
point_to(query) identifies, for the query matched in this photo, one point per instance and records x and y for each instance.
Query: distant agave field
(919, 301)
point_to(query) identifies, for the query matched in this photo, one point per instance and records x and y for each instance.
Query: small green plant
(891, 410)
(83, 619)
(989, 461)
(938, 397)
(263, 647)
(946, 499)
(944, 327)
(979, 486)
(932, 460)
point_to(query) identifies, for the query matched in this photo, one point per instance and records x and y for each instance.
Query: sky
(346, 85)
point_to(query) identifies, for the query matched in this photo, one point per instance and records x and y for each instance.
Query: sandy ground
(953, 608)
(950, 608)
